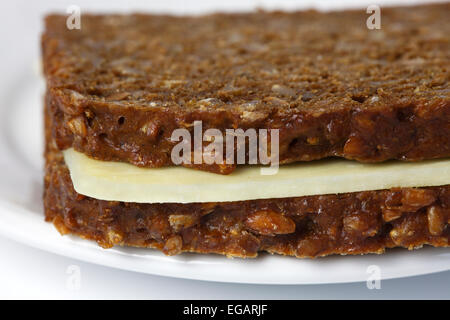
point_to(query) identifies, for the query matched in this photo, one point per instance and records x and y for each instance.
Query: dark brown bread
(119, 86)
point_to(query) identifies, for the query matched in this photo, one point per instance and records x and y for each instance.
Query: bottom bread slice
(310, 226)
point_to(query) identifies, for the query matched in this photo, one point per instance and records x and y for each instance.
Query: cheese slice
(116, 181)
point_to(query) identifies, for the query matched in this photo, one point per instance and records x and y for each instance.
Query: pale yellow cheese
(124, 182)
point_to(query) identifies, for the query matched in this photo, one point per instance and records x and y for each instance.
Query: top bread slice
(120, 85)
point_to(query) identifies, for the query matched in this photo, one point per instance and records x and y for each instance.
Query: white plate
(21, 218)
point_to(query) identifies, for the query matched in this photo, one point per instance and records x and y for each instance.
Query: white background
(31, 273)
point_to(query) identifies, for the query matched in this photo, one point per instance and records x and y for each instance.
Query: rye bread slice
(119, 86)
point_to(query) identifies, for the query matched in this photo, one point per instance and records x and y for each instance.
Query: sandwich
(303, 134)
